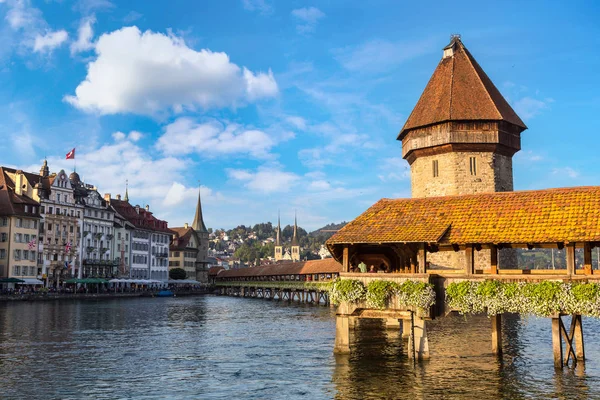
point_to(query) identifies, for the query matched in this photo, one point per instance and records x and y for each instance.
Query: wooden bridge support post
(422, 259)
(406, 328)
(346, 259)
(577, 331)
(571, 259)
(587, 259)
(470, 260)
(494, 260)
(497, 334)
(342, 335)
(392, 323)
(557, 342)
(419, 332)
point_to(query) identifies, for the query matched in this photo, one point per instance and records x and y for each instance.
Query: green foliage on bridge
(541, 299)
(379, 294)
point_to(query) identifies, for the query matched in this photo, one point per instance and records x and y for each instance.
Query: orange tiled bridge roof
(540, 216)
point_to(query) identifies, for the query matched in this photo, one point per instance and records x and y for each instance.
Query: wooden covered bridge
(292, 281)
(403, 235)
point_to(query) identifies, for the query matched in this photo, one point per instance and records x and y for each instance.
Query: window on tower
(435, 168)
(473, 165)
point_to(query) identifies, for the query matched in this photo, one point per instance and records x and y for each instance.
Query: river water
(230, 348)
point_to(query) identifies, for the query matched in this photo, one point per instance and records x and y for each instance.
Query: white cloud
(49, 41)
(134, 136)
(381, 55)
(528, 107)
(265, 179)
(566, 171)
(118, 136)
(211, 138)
(308, 18)
(262, 6)
(319, 185)
(297, 122)
(149, 73)
(85, 33)
(394, 169)
(21, 15)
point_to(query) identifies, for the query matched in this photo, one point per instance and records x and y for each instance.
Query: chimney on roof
(147, 207)
(107, 197)
(118, 197)
(449, 50)
(185, 225)
(137, 208)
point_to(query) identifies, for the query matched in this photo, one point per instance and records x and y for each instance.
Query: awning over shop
(86, 280)
(32, 281)
(183, 282)
(11, 280)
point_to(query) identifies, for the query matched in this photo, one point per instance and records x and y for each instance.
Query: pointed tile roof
(459, 90)
(198, 223)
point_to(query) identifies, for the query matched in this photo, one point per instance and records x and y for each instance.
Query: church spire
(198, 223)
(44, 171)
(278, 239)
(126, 190)
(295, 236)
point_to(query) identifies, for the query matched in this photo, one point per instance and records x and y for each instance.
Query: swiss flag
(71, 154)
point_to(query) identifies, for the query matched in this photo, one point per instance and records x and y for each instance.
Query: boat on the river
(165, 293)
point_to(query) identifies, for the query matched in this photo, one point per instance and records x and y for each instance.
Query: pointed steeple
(295, 236)
(126, 190)
(278, 239)
(44, 171)
(198, 223)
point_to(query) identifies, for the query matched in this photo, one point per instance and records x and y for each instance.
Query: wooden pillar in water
(494, 260)
(578, 333)
(557, 342)
(497, 334)
(470, 260)
(419, 338)
(571, 259)
(587, 259)
(406, 328)
(392, 323)
(342, 335)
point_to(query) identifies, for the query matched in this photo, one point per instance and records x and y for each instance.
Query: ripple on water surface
(221, 348)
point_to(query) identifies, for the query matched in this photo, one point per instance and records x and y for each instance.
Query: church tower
(278, 245)
(462, 134)
(202, 233)
(295, 242)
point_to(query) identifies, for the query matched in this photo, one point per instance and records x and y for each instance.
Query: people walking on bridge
(362, 267)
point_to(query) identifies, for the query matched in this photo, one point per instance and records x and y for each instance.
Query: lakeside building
(189, 247)
(98, 231)
(150, 239)
(19, 224)
(121, 249)
(60, 228)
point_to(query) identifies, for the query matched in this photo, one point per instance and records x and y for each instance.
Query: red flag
(31, 244)
(71, 154)
(68, 247)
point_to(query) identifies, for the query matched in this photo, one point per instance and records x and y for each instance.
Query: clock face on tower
(62, 177)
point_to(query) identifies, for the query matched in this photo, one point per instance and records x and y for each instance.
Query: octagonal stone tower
(460, 139)
(462, 134)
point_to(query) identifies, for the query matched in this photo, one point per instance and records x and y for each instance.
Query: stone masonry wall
(493, 174)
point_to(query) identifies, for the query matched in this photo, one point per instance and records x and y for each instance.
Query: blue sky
(280, 105)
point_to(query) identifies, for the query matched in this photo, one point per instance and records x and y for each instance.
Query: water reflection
(461, 364)
(222, 348)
